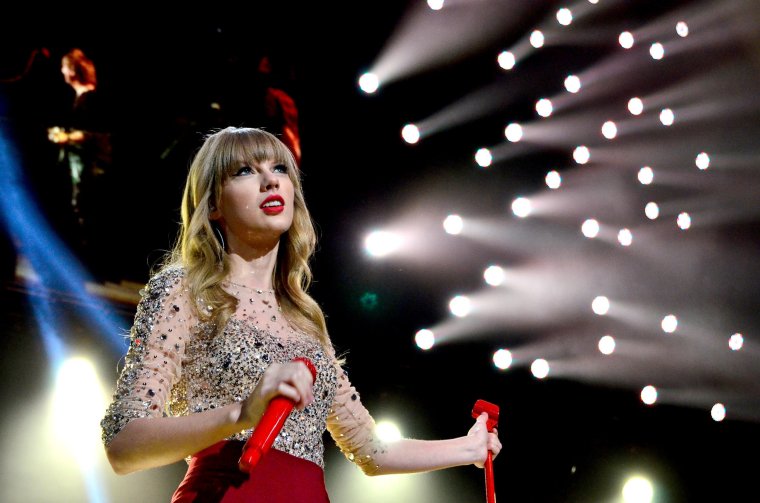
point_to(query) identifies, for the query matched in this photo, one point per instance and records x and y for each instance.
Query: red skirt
(214, 477)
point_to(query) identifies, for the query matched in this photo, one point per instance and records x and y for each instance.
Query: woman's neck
(253, 268)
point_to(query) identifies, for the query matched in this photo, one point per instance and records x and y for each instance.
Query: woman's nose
(269, 180)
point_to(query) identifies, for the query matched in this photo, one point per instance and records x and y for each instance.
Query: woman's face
(256, 205)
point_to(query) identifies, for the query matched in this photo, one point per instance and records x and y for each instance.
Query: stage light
(638, 490)
(626, 40)
(657, 51)
(609, 130)
(553, 180)
(600, 305)
(506, 60)
(581, 154)
(539, 368)
(387, 431)
(593, 1)
(425, 339)
(435, 4)
(652, 211)
(649, 395)
(513, 132)
(635, 106)
(703, 161)
(522, 207)
(460, 306)
(667, 117)
(494, 275)
(736, 341)
(410, 133)
(572, 84)
(625, 237)
(453, 224)
(544, 107)
(381, 243)
(646, 175)
(607, 345)
(564, 16)
(483, 157)
(369, 83)
(669, 324)
(683, 221)
(502, 359)
(537, 39)
(682, 29)
(590, 228)
(718, 412)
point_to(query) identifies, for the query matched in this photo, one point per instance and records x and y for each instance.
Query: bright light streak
(435, 4)
(590, 228)
(387, 431)
(667, 117)
(703, 161)
(652, 211)
(646, 175)
(460, 306)
(718, 412)
(410, 134)
(607, 345)
(544, 107)
(564, 16)
(682, 29)
(669, 324)
(657, 51)
(635, 106)
(638, 490)
(609, 130)
(369, 83)
(625, 237)
(483, 157)
(600, 305)
(514, 132)
(537, 39)
(581, 154)
(539, 368)
(649, 395)
(506, 60)
(553, 180)
(522, 207)
(572, 84)
(453, 224)
(382, 243)
(736, 341)
(494, 275)
(626, 40)
(425, 339)
(683, 221)
(502, 358)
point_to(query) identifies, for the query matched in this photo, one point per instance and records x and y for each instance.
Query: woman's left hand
(484, 440)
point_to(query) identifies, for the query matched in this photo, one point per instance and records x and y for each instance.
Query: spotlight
(625, 237)
(682, 29)
(410, 134)
(514, 132)
(381, 243)
(539, 368)
(635, 106)
(593, 1)
(553, 180)
(667, 117)
(736, 342)
(453, 224)
(544, 107)
(683, 221)
(652, 211)
(387, 431)
(572, 84)
(425, 339)
(369, 83)
(600, 305)
(590, 228)
(581, 154)
(718, 412)
(607, 345)
(506, 60)
(564, 16)
(609, 130)
(626, 40)
(703, 161)
(649, 395)
(494, 275)
(657, 51)
(638, 490)
(522, 207)
(460, 306)
(669, 324)
(646, 175)
(483, 157)
(537, 39)
(502, 359)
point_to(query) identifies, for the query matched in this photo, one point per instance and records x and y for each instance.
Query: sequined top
(177, 365)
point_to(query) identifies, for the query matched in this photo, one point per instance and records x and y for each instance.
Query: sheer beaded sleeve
(157, 346)
(353, 429)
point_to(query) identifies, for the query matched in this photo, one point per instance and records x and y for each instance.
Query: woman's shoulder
(166, 280)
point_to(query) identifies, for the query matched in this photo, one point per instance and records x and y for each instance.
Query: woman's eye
(280, 168)
(245, 170)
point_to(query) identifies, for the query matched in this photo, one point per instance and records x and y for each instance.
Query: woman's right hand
(292, 380)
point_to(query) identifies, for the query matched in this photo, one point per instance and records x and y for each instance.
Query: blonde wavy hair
(202, 255)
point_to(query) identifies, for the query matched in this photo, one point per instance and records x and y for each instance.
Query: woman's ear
(214, 213)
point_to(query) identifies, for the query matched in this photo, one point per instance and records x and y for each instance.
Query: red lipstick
(273, 208)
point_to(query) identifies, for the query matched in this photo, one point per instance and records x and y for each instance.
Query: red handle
(490, 491)
(493, 419)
